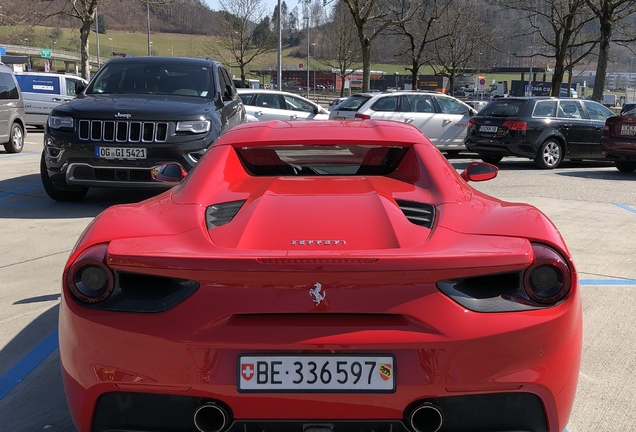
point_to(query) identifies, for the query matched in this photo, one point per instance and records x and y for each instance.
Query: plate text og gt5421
(120, 152)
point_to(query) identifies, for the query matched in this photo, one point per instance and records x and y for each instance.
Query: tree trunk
(415, 71)
(366, 64)
(603, 57)
(85, 32)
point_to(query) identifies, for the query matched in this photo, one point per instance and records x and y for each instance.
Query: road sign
(482, 81)
(300, 66)
(46, 53)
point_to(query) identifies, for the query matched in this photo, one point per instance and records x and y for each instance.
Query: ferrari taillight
(89, 278)
(547, 280)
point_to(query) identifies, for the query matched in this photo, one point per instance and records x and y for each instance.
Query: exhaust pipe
(426, 418)
(210, 418)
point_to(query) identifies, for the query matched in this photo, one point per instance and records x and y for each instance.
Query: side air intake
(219, 214)
(417, 213)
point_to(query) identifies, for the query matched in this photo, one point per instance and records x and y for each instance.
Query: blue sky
(269, 4)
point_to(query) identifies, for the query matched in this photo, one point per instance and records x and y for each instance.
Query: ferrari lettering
(318, 242)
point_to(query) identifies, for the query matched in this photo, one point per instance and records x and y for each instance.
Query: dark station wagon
(544, 129)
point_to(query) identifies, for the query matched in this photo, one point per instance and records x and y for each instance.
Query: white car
(277, 105)
(442, 118)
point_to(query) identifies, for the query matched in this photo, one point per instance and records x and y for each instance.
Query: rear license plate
(488, 129)
(120, 152)
(628, 130)
(318, 373)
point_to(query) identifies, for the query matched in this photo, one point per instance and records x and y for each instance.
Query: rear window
(504, 107)
(309, 160)
(353, 103)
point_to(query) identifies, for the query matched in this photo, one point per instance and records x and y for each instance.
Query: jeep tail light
(89, 279)
(547, 280)
(362, 117)
(515, 125)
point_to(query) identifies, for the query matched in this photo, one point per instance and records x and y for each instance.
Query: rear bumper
(500, 147)
(529, 367)
(620, 150)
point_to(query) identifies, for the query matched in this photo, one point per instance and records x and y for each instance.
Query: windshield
(139, 78)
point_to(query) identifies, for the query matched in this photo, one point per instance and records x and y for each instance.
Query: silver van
(44, 91)
(12, 131)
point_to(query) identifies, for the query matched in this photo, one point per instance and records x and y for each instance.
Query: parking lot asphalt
(592, 204)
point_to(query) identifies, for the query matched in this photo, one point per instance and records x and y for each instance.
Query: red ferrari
(321, 277)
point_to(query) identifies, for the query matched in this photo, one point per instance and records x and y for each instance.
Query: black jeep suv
(135, 114)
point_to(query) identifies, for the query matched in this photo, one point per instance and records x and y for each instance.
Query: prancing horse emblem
(315, 293)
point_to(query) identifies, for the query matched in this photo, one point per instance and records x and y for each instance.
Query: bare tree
(416, 22)
(456, 51)
(340, 51)
(370, 21)
(244, 41)
(610, 15)
(560, 26)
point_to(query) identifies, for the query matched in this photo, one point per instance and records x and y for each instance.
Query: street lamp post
(148, 26)
(629, 79)
(112, 50)
(313, 45)
(307, 18)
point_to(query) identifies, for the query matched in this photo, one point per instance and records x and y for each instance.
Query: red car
(619, 141)
(321, 277)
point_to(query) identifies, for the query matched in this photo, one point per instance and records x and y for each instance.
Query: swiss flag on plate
(247, 371)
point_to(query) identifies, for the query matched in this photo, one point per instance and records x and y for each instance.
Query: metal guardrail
(55, 54)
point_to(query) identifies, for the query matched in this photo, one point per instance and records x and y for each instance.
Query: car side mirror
(479, 171)
(168, 173)
(79, 88)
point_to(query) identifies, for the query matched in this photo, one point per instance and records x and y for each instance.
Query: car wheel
(59, 194)
(16, 139)
(550, 154)
(625, 166)
(494, 160)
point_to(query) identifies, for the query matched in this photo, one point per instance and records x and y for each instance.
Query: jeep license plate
(120, 153)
